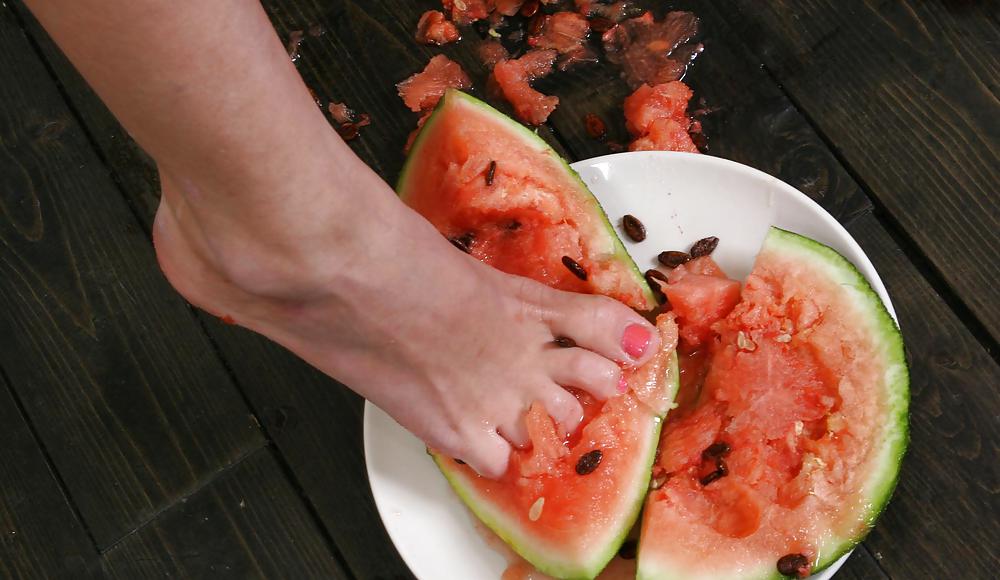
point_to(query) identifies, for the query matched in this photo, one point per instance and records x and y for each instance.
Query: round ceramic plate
(681, 198)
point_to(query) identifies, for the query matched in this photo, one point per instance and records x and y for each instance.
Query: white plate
(681, 198)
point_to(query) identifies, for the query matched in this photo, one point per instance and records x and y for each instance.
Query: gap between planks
(286, 468)
(63, 489)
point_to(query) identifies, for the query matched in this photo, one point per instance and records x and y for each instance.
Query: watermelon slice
(502, 194)
(790, 450)
(482, 178)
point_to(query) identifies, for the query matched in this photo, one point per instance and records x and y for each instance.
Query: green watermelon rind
(541, 559)
(897, 386)
(539, 144)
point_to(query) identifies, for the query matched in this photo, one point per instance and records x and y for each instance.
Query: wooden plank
(943, 515)
(41, 536)
(861, 566)
(907, 93)
(115, 374)
(752, 122)
(247, 523)
(314, 422)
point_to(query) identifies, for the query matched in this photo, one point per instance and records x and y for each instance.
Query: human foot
(452, 349)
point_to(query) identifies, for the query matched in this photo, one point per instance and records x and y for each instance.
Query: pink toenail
(622, 384)
(636, 340)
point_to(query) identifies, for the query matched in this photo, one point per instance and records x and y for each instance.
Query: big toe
(604, 326)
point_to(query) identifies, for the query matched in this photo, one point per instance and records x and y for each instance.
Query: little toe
(563, 407)
(487, 453)
(514, 430)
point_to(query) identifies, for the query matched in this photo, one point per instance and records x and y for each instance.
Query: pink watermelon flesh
(528, 216)
(531, 212)
(806, 383)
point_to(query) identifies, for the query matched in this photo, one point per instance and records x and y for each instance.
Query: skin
(268, 217)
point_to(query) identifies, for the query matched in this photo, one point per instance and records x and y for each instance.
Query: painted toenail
(636, 340)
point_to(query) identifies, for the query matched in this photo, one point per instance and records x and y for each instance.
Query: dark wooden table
(141, 438)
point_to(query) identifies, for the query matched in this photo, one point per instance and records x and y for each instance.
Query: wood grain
(907, 93)
(247, 523)
(861, 565)
(949, 481)
(751, 119)
(943, 515)
(114, 374)
(40, 536)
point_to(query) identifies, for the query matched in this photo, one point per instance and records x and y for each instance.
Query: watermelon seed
(514, 225)
(459, 461)
(588, 462)
(463, 242)
(491, 173)
(634, 228)
(536, 509)
(717, 449)
(794, 565)
(564, 342)
(721, 470)
(575, 268)
(783, 338)
(673, 259)
(660, 476)
(744, 342)
(653, 278)
(704, 247)
(628, 550)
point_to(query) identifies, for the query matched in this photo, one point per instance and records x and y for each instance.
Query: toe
(487, 453)
(563, 407)
(513, 428)
(591, 372)
(604, 326)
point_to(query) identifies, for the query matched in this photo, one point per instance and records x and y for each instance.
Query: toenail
(622, 384)
(635, 340)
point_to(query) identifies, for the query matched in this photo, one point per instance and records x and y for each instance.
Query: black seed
(575, 268)
(491, 173)
(634, 228)
(588, 462)
(711, 477)
(652, 277)
(514, 225)
(794, 565)
(463, 242)
(704, 247)
(673, 259)
(655, 274)
(629, 549)
(721, 470)
(564, 342)
(717, 449)
(459, 461)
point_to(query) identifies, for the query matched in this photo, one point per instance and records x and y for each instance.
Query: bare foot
(454, 350)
